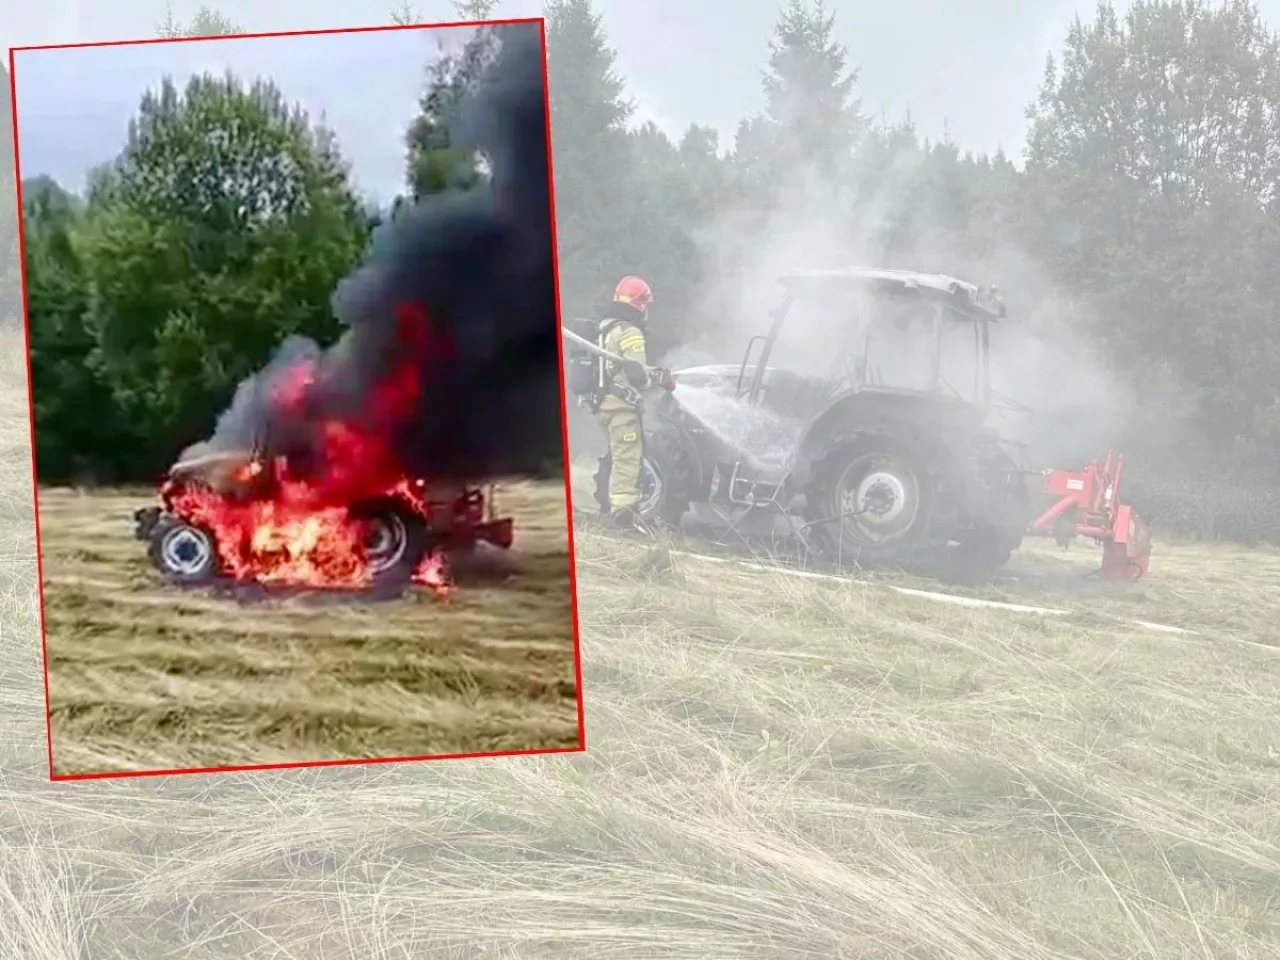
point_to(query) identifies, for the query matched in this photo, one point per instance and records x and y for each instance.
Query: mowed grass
(143, 675)
(839, 770)
(776, 768)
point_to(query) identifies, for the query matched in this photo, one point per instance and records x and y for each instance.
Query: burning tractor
(882, 459)
(237, 516)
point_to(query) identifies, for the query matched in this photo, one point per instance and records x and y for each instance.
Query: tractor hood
(712, 370)
(213, 466)
(230, 473)
(717, 374)
(724, 376)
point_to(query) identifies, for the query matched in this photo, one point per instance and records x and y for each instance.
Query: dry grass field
(145, 676)
(776, 767)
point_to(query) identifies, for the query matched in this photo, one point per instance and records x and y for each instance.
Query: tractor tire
(183, 552)
(987, 549)
(395, 541)
(666, 478)
(875, 499)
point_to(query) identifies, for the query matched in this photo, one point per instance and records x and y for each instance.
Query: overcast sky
(74, 105)
(973, 66)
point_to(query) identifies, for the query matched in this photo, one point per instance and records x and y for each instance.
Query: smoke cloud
(1054, 394)
(450, 359)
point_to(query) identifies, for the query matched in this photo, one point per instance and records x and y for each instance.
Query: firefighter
(622, 333)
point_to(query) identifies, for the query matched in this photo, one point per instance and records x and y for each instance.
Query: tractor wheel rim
(650, 487)
(186, 550)
(881, 501)
(385, 542)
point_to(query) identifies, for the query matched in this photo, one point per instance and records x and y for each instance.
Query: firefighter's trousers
(626, 449)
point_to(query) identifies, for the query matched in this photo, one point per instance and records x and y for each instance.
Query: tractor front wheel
(666, 479)
(183, 552)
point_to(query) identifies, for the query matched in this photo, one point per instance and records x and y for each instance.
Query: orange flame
(301, 531)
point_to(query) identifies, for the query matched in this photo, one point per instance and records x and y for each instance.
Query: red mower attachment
(1088, 505)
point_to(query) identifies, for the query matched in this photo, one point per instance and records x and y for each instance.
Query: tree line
(1138, 235)
(223, 225)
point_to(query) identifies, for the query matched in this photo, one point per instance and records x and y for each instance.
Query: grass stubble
(144, 676)
(775, 767)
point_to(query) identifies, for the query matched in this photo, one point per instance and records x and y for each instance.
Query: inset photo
(296, 397)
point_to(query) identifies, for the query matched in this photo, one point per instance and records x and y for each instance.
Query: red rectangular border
(564, 410)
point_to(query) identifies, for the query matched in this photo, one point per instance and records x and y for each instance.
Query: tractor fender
(853, 412)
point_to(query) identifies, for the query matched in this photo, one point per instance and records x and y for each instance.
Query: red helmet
(634, 291)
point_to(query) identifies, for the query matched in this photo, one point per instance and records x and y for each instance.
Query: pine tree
(405, 15)
(475, 9)
(206, 23)
(1153, 182)
(68, 444)
(434, 162)
(589, 117)
(812, 121)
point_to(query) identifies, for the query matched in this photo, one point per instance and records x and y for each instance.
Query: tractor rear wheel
(990, 544)
(873, 502)
(394, 540)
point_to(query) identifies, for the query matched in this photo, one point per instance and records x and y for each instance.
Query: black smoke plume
(462, 289)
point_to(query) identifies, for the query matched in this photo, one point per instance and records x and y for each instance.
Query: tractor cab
(837, 332)
(846, 346)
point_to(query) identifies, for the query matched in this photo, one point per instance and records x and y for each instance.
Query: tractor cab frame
(862, 303)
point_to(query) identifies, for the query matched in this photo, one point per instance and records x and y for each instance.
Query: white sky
(74, 105)
(972, 65)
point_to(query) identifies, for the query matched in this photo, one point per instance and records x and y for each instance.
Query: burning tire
(184, 552)
(394, 541)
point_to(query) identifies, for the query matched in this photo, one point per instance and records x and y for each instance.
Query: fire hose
(664, 376)
(598, 350)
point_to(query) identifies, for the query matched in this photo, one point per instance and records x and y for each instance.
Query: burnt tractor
(878, 453)
(397, 530)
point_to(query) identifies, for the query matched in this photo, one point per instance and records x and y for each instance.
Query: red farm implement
(1088, 505)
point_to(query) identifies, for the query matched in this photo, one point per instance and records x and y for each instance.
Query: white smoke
(1040, 354)
(739, 424)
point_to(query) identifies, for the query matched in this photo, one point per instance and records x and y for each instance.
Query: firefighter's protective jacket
(624, 339)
